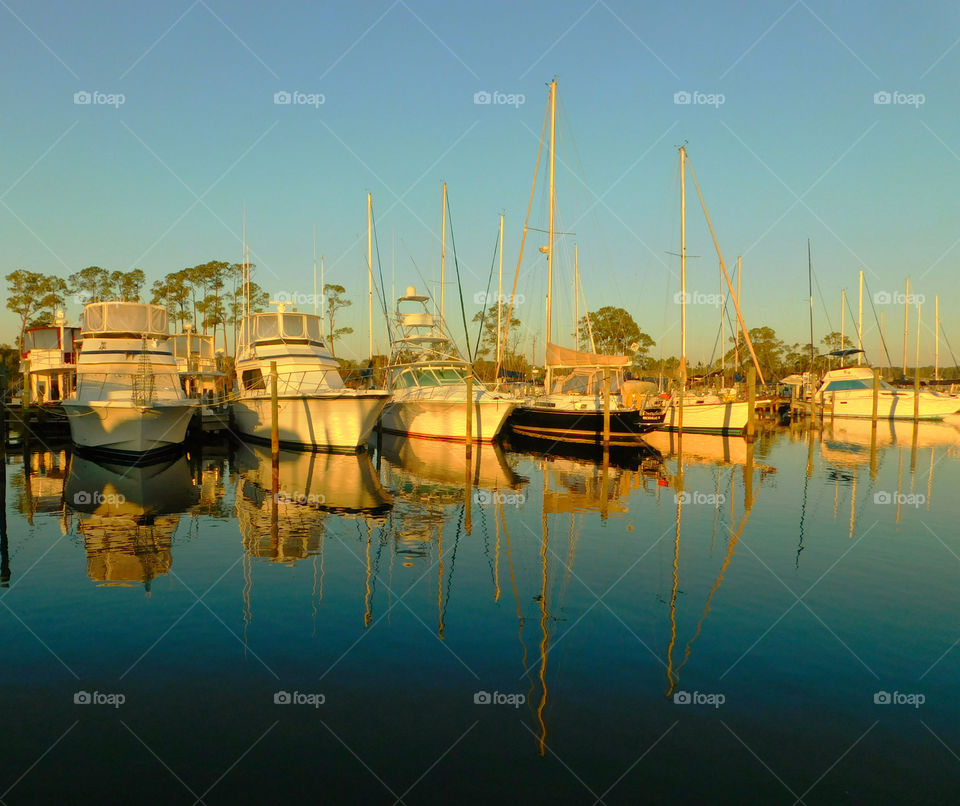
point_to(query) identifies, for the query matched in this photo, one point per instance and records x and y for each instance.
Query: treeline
(208, 297)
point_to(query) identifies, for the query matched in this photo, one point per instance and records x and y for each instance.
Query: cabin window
(314, 330)
(427, 378)
(267, 327)
(253, 379)
(843, 386)
(449, 376)
(405, 380)
(293, 325)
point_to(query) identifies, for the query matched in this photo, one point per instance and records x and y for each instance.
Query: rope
(456, 263)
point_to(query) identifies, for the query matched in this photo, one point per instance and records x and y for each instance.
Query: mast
(843, 303)
(736, 346)
(500, 300)
(810, 286)
(936, 354)
(860, 321)
(550, 229)
(315, 300)
(723, 338)
(443, 250)
(323, 296)
(683, 272)
(576, 295)
(916, 369)
(906, 326)
(370, 270)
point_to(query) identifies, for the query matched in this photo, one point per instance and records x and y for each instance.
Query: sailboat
(128, 398)
(704, 413)
(586, 392)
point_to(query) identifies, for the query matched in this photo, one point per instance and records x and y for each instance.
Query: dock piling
(751, 402)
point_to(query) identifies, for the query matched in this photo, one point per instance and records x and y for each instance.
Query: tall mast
(810, 286)
(723, 339)
(906, 326)
(916, 369)
(860, 321)
(323, 296)
(550, 227)
(683, 269)
(843, 304)
(576, 295)
(736, 346)
(936, 355)
(443, 250)
(370, 270)
(500, 300)
(315, 300)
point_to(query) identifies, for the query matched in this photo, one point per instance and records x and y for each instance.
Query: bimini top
(282, 326)
(564, 357)
(113, 318)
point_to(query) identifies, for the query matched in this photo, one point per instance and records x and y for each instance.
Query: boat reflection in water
(700, 448)
(281, 519)
(40, 488)
(429, 477)
(127, 515)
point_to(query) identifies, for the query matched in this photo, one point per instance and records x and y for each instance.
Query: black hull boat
(551, 424)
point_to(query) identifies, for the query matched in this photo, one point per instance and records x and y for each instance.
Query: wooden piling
(469, 429)
(274, 413)
(876, 398)
(751, 402)
(916, 395)
(606, 409)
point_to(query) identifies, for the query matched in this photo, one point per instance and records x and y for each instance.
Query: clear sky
(798, 148)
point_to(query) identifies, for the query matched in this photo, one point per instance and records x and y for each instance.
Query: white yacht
(429, 383)
(128, 397)
(850, 391)
(52, 353)
(316, 410)
(707, 413)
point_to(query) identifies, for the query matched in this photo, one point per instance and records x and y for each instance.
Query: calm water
(772, 624)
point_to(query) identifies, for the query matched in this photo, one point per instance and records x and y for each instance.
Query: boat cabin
(52, 353)
(281, 327)
(132, 320)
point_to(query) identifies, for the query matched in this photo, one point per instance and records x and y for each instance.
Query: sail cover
(565, 357)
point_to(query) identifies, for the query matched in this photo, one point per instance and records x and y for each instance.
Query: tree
(91, 284)
(259, 298)
(616, 333)
(173, 294)
(30, 293)
(335, 300)
(488, 337)
(832, 341)
(771, 352)
(126, 285)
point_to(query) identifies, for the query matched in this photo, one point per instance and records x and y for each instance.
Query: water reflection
(127, 515)
(281, 509)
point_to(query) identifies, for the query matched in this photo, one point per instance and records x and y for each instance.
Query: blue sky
(797, 149)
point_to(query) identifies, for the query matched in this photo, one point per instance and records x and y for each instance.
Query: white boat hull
(447, 418)
(341, 420)
(117, 425)
(890, 405)
(708, 418)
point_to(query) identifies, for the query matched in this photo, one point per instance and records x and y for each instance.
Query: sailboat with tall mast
(579, 386)
(706, 413)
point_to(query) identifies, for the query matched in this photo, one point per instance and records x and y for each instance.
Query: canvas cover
(125, 317)
(564, 357)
